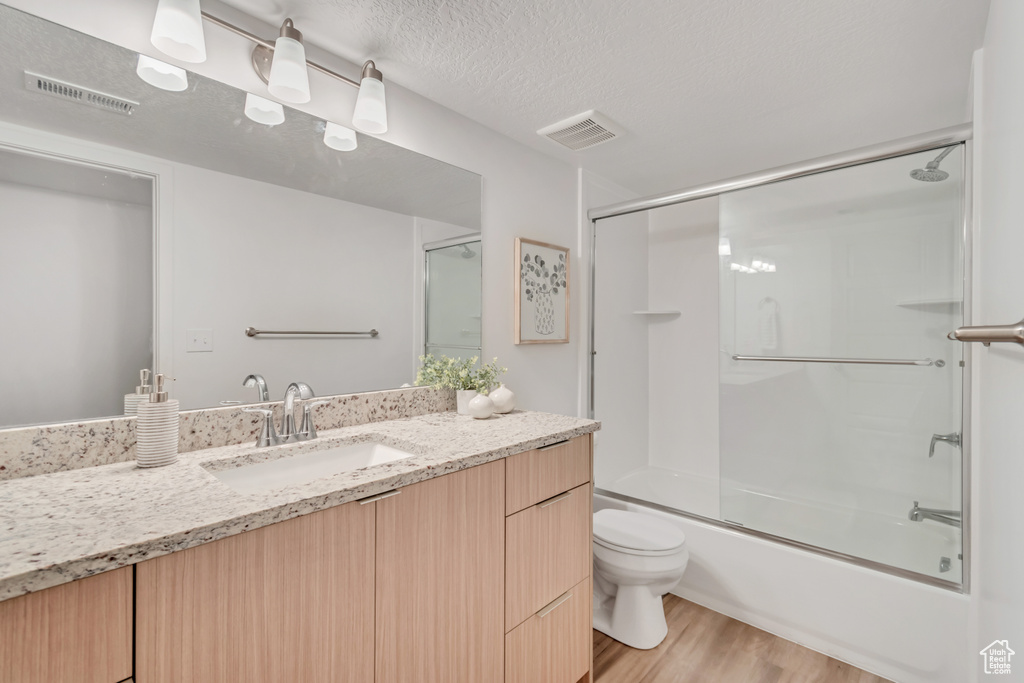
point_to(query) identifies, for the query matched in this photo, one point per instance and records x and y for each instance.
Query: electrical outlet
(198, 341)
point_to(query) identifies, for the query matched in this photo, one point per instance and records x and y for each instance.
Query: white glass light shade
(161, 75)
(371, 114)
(724, 248)
(339, 137)
(262, 110)
(289, 79)
(178, 30)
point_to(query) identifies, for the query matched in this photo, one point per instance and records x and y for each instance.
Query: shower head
(467, 252)
(931, 173)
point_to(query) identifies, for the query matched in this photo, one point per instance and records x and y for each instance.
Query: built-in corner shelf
(658, 312)
(937, 305)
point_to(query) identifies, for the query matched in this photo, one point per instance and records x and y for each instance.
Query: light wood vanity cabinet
(292, 601)
(482, 575)
(440, 548)
(79, 632)
(548, 564)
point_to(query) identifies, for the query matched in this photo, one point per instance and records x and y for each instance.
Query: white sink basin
(305, 467)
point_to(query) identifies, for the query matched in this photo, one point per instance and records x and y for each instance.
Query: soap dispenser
(156, 429)
(141, 395)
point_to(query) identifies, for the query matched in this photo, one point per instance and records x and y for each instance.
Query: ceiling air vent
(76, 93)
(582, 131)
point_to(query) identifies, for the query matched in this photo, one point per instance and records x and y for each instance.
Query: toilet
(637, 559)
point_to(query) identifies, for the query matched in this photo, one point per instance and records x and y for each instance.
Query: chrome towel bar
(252, 332)
(858, 361)
(986, 334)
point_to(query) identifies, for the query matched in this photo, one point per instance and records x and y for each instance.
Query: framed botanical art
(542, 293)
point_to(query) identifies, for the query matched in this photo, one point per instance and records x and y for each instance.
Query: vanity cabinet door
(288, 602)
(79, 632)
(440, 566)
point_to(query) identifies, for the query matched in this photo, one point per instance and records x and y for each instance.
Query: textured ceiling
(705, 89)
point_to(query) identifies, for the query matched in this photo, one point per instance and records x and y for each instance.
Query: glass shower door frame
(919, 143)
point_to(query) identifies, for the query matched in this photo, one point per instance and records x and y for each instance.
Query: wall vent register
(76, 93)
(582, 131)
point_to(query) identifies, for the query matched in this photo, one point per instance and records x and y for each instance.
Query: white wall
(998, 605)
(251, 254)
(71, 352)
(524, 193)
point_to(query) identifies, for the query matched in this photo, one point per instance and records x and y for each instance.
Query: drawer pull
(554, 445)
(374, 499)
(551, 607)
(554, 499)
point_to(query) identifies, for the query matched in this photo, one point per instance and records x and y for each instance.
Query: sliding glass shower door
(839, 394)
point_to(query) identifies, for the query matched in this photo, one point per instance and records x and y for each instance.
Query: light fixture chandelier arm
(269, 46)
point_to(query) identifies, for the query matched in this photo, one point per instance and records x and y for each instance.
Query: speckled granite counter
(56, 528)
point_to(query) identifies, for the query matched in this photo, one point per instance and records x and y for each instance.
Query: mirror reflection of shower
(452, 302)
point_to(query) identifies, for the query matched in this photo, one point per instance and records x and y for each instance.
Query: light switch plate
(198, 341)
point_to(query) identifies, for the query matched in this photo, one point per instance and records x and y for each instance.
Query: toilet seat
(633, 533)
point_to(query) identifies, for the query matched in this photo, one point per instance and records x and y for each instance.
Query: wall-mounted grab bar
(858, 361)
(252, 332)
(986, 334)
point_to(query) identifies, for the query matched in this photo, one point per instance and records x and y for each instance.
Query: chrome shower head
(467, 252)
(931, 173)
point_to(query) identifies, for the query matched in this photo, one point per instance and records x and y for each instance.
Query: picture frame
(541, 292)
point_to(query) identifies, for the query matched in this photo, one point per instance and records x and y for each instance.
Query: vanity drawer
(547, 551)
(537, 475)
(553, 645)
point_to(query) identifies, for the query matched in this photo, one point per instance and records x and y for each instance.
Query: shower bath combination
(825, 417)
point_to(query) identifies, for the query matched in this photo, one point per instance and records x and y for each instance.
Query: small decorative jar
(481, 407)
(504, 400)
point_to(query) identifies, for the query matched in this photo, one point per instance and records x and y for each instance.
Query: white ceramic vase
(504, 400)
(462, 399)
(481, 407)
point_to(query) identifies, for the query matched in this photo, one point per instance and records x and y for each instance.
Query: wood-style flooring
(703, 646)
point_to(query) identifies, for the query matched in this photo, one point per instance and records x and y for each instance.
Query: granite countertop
(56, 528)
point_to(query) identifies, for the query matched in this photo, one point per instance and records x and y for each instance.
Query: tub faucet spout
(949, 517)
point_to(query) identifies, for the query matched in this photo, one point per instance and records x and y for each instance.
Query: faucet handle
(268, 435)
(308, 431)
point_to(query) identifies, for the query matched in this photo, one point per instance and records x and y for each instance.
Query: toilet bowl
(637, 559)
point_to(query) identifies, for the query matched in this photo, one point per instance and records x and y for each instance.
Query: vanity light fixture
(339, 137)
(724, 248)
(371, 114)
(281, 64)
(289, 79)
(161, 75)
(178, 30)
(262, 110)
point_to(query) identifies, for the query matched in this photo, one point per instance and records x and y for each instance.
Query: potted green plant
(459, 374)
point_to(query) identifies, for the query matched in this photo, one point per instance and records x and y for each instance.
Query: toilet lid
(636, 531)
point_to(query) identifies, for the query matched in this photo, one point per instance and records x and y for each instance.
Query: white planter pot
(462, 399)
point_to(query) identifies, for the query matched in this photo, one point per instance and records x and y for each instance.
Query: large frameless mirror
(172, 220)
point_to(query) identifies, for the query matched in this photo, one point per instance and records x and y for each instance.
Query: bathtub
(897, 628)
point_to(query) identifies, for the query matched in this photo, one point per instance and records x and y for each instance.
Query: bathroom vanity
(469, 560)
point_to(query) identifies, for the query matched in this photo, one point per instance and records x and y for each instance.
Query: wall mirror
(158, 236)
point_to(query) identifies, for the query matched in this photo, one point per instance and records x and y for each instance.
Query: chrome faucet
(260, 384)
(952, 439)
(295, 390)
(950, 517)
